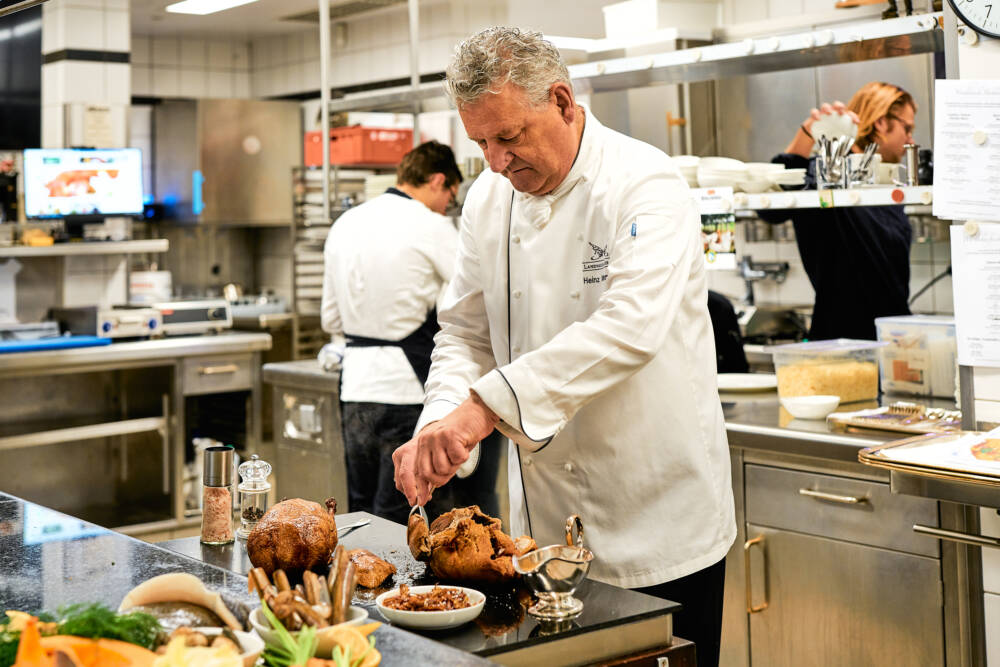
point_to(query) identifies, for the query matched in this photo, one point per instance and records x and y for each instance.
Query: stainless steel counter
(757, 421)
(28, 363)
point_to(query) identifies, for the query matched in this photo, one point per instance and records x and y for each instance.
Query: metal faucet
(752, 272)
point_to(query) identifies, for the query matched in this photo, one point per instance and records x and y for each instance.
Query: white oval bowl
(250, 642)
(810, 407)
(834, 125)
(324, 647)
(721, 164)
(431, 620)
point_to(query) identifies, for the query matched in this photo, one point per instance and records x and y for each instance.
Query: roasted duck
(295, 535)
(466, 545)
(372, 570)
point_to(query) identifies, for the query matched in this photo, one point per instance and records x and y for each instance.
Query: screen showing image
(65, 182)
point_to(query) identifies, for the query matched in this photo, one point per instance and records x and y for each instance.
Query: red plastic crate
(357, 145)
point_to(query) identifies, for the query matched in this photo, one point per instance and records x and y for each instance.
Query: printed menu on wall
(967, 149)
(975, 261)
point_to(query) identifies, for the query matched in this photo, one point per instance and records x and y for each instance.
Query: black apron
(417, 346)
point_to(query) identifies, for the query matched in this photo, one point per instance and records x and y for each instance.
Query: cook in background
(577, 324)
(386, 263)
(857, 258)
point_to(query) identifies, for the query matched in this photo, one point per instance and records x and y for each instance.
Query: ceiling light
(202, 7)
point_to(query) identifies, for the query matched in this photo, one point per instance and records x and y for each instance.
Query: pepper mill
(217, 495)
(253, 493)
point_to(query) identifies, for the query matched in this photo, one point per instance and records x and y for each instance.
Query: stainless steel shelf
(870, 40)
(88, 432)
(87, 248)
(866, 41)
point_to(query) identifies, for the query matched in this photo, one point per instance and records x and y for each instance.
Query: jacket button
(579, 237)
(516, 350)
(516, 238)
(527, 461)
(568, 467)
(517, 294)
(574, 294)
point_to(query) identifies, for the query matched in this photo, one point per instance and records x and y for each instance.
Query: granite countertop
(503, 627)
(49, 559)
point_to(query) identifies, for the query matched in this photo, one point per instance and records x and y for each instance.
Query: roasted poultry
(371, 569)
(295, 535)
(466, 545)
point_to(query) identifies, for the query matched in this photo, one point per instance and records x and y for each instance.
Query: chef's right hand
(417, 491)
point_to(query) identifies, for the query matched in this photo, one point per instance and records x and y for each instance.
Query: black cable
(946, 272)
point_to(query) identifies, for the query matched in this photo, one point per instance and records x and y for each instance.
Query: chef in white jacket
(576, 324)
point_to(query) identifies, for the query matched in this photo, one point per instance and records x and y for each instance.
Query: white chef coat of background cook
(385, 264)
(605, 375)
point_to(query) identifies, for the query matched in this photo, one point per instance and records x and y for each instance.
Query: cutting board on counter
(61, 343)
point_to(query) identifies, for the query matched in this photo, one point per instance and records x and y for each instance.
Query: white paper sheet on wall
(8, 291)
(975, 261)
(967, 149)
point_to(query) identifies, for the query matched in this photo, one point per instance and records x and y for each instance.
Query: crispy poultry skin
(295, 535)
(372, 570)
(466, 545)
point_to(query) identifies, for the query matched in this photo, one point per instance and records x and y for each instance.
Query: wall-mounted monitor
(75, 182)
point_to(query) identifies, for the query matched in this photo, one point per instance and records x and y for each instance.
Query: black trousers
(700, 620)
(372, 432)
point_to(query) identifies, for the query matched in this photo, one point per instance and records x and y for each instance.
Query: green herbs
(97, 621)
(292, 650)
(342, 658)
(8, 644)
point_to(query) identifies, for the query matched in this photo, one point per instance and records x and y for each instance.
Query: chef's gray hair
(488, 60)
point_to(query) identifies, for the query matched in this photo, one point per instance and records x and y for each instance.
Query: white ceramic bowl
(810, 407)
(721, 164)
(755, 186)
(834, 125)
(760, 168)
(431, 620)
(251, 644)
(687, 161)
(324, 647)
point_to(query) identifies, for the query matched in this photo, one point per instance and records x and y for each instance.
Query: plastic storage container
(359, 145)
(843, 367)
(919, 356)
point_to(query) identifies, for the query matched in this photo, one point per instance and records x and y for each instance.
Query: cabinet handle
(832, 497)
(223, 369)
(746, 566)
(956, 536)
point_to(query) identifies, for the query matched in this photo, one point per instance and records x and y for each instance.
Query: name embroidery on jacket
(598, 261)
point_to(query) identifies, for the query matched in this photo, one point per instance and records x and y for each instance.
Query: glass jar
(253, 490)
(218, 481)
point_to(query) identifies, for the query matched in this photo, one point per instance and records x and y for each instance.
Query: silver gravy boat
(555, 572)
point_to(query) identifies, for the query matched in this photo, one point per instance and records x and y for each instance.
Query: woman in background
(857, 258)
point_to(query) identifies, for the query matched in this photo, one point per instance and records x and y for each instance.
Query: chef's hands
(434, 456)
(804, 138)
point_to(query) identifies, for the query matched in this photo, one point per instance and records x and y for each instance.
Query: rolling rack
(309, 231)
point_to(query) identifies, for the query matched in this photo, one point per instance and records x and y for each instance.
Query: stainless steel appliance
(114, 322)
(195, 316)
(226, 160)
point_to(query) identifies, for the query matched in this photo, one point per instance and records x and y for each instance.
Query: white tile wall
(190, 68)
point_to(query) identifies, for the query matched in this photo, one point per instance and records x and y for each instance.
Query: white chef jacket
(580, 317)
(385, 265)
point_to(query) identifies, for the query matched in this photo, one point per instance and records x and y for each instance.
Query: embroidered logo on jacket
(598, 261)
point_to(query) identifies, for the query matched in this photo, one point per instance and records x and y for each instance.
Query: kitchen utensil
(419, 509)
(344, 530)
(555, 572)
(911, 161)
(747, 381)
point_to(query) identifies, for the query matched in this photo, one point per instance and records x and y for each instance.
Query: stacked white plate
(719, 172)
(758, 176)
(789, 177)
(688, 166)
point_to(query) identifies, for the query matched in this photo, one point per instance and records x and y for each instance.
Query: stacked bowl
(720, 172)
(688, 166)
(789, 179)
(759, 176)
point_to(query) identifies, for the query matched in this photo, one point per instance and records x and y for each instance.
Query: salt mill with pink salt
(218, 479)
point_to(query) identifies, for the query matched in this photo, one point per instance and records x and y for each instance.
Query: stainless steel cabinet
(827, 571)
(830, 602)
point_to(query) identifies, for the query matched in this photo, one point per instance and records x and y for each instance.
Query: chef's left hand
(436, 453)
